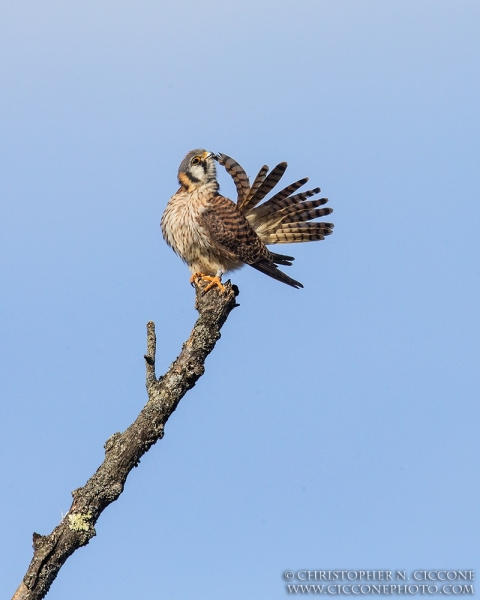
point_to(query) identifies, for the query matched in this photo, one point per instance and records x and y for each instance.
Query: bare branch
(124, 450)
(150, 355)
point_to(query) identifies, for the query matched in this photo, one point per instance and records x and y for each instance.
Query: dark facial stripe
(192, 178)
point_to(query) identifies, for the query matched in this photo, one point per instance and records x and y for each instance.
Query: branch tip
(150, 355)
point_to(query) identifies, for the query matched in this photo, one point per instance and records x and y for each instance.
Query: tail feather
(259, 179)
(304, 196)
(266, 186)
(306, 227)
(282, 219)
(288, 191)
(236, 172)
(292, 238)
(301, 232)
(273, 271)
(302, 213)
(296, 213)
(282, 259)
(276, 206)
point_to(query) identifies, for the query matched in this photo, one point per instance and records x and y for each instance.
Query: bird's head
(197, 170)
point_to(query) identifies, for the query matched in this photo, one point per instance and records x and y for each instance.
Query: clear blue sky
(336, 426)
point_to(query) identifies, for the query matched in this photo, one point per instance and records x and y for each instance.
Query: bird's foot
(214, 281)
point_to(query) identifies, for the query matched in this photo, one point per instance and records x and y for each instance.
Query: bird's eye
(195, 160)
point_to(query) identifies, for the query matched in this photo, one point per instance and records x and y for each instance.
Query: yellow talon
(214, 281)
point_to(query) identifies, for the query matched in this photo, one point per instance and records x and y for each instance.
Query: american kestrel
(213, 235)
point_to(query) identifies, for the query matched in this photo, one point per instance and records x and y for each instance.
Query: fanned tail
(285, 218)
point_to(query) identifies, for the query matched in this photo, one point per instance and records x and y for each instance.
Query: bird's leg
(214, 281)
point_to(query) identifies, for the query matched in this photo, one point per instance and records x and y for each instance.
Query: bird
(214, 235)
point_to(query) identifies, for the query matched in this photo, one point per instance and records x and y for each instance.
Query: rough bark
(124, 450)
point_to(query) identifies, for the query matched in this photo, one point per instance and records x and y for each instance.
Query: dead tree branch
(124, 450)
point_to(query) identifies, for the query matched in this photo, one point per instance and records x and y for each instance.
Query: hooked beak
(211, 155)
